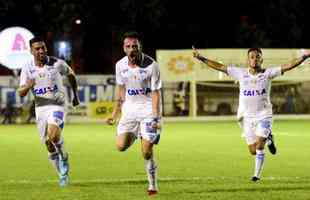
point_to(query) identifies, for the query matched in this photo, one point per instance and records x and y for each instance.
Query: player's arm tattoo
(120, 98)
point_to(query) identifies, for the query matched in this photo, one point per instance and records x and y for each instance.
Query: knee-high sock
(259, 162)
(54, 160)
(151, 171)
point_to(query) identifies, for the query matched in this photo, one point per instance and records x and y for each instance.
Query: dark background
(163, 24)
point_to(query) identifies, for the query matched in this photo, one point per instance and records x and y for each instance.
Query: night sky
(163, 25)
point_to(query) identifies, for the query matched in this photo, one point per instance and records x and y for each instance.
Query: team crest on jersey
(254, 81)
(41, 75)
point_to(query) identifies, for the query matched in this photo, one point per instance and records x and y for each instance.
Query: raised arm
(294, 63)
(211, 63)
(119, 99)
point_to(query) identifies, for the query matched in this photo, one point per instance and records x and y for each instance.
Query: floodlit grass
(197, 160)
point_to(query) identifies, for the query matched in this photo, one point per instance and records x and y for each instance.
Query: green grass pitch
(197, 160)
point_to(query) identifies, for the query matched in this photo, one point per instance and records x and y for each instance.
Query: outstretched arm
(294, 63)
(211, 63)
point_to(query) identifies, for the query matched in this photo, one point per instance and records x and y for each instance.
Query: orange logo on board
(181, 65)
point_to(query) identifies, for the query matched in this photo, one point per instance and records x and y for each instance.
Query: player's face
(255, 59)
(132, 48)
(39, 51)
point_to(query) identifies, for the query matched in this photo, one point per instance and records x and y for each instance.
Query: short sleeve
(274, 72)
(118, 77)
(63, 67)
(24, 75)
(234, 72)
(156, 83)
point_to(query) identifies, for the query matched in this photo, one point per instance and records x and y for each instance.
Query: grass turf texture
(197, 160)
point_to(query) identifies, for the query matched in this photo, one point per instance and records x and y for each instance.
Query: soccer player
(255, 108)
(138, 100)
(43, 77)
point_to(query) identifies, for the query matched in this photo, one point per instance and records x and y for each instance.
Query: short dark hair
(35, 39)
(131, 34)
(259, 50)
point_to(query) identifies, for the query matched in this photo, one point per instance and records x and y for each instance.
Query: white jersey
(48, 88)
(254, 92)
(139, 82)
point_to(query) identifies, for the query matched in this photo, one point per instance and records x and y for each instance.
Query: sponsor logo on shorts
(58, 115)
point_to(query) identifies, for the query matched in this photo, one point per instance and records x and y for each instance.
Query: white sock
(151, 171)
(259, 161)
(54, 159)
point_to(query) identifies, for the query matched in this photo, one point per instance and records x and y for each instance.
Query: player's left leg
(150, 166)
(55, 125)
(54, 136)
(150, 136)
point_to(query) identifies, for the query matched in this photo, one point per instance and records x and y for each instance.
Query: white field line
(125, 180)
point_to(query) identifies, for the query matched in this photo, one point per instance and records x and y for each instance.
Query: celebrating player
(138, 99)
(43, 76)
(255, 108)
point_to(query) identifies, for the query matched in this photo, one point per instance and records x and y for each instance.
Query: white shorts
(139, 127)
(51, 114)
(253, 128)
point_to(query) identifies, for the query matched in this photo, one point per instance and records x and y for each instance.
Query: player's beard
(42, 58)
(134, 58)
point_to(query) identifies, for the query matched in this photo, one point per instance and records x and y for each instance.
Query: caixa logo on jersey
(254, 92)
(141, 91)
(45, 90)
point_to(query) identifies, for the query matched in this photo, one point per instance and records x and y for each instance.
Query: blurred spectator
(179, 100)
(290, 101)
(8, 113)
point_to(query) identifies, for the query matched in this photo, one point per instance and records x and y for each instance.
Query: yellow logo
(180, 65)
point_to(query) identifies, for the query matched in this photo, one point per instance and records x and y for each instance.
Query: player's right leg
(124, 141)
(259, 158)
(54, 136)
(126, 133)
(262, 131)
